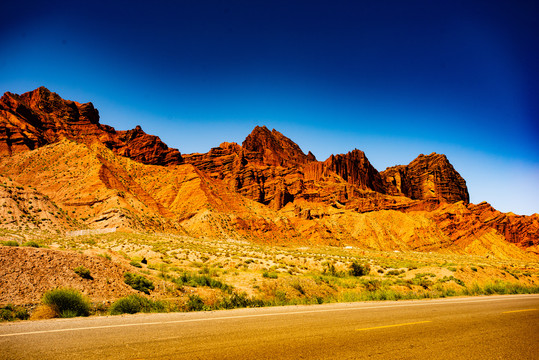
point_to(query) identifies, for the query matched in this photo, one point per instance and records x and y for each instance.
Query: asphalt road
(494, 327)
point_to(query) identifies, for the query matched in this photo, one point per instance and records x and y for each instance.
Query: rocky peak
(355, 168)
(42, 117)
(274, 148)
(427, 177)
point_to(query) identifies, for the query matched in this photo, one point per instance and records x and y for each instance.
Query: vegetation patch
(83, 272)
(270, 275)
(195, 280)
(358, 269)
(10, 243)
(67, 302)
(138, 282)
(31, 244)
(11, 312)
(135, 303)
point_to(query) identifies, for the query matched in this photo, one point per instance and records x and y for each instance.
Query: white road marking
(420, 303)
(393, 325)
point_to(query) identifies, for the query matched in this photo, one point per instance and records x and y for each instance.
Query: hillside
(60, 169)
(38, 270)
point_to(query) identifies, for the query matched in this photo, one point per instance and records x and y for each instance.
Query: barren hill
(56, 159)
(27, 272)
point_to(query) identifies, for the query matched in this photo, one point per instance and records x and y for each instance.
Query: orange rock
(41, 117)
(427, 177)
(266, 190)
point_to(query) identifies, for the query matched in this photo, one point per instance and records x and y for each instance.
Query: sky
(392, 78)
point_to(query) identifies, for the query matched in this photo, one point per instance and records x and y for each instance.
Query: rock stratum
(61, 169)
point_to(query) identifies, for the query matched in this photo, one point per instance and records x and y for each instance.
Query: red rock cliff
(273, 148)
(426, 177)
(41, 117)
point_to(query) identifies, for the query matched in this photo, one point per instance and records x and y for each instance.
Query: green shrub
(83, 272)
(195, 303)
(395, 272)
(270, 275)
(135, 264)
(31, 244)
(449, 278)
(420, 280)
(372, 285)
(329, 269)
(105, 255)
(11, 312)
(357, 269)
(138, 282)
(239, 301)
(10, 243)
(134, 304)
(195, 280)
(67, 302)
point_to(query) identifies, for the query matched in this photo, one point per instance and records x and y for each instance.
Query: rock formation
(355, 168)
(427, 177)
(41, 117)
(266, 189)
(275, 149)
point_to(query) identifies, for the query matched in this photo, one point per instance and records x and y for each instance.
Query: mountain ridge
(266, 189)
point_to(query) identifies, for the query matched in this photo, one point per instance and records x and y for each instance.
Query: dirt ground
(26, 273)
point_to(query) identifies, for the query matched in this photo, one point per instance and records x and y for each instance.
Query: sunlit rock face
(61, 169)
(41, 117)
(427, 177)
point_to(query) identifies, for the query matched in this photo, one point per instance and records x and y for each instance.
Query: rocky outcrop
(267, 167)
(271, 169)
(463, 223)
(275, 149)
(517, 229)
(355, 168)
(427, 177)
(41, 117)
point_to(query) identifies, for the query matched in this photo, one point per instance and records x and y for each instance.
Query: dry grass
(42, 312)
(257, 274)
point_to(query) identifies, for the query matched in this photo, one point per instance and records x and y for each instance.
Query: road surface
(494, 327)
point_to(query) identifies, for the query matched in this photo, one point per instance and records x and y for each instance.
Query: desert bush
(135, 303)
(67, 302)
(358, 269)
(421, 281)
(135, 264)
(195, 303)
(31, 244)
(83, 272)
(239, 301)
(11, 312)
(42, 312)
(270, 275)
(10, 243)
(105, 256)
(329, 269)
(449, 278)
(372, 285)
(195, 280)
(138, 282)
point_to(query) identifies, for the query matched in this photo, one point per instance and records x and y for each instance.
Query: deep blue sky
(392, 78)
